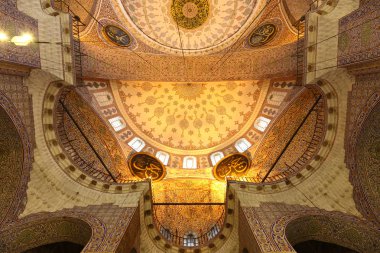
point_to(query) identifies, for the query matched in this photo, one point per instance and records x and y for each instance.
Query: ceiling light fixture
(22, 40)
(3, 37)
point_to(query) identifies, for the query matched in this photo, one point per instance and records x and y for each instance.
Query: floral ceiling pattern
(192, 25)
(189, 118)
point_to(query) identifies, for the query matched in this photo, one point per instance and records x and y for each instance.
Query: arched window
(213, 232)
(276, 98)
(103, 98)
(117, 123)
(189, 162)
(216, 157)
(261, 123)
(137, 144)
(190, 240)
(166, 233)
(163, 157)
(242, 145)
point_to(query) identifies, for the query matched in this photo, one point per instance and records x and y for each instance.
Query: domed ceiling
(191, 25)
(190, 118)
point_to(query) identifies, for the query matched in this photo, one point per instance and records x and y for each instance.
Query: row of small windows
(190, 162)
(260, 124)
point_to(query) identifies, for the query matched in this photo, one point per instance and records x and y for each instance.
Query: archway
(313, 246)
(44, 231)
(58, 247)
(365, 151)
(15, 161)
(337, 229)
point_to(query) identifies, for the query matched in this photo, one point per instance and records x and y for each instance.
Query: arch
(137, 144)
(363, 159)
(313, 246)
(163, 157)
(49, 228)
(262, 123)
(189, 162)
(190, 240)
(242, 145)
(57, 247)
(15, 161)
(85, 136)
(330, 227)
(117, 123)
(216, 157)
(296, 133)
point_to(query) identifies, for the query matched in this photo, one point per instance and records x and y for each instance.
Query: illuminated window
(137, 144)
(117, 123)
(189, 162)
(190, 240)
(216, 157)
(213, 231)
(163, 157)
(166, 233)
(242, 145)
(261, 123)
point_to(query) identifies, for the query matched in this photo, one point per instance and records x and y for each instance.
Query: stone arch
(330, 227)
(48, 228)
(75, 120)
(15, 161)
(363, 158)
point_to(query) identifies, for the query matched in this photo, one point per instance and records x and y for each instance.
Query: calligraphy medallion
(235, 165)
(117, 36)
(190, 14)
(144, 165)
(262, 35)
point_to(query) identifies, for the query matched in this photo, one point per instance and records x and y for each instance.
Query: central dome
(189, 118)
(191, 26)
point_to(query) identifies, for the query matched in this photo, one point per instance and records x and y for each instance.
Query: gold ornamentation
(235, 165)
(189, 117)
(117, 36)
(143, 165)
(262, 35)
(189, 91)
(190, 14)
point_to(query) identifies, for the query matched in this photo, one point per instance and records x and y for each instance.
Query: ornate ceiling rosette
(190, 14)
(196, 26)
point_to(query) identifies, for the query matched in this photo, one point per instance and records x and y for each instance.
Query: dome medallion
(190, 27)
(190, 14)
